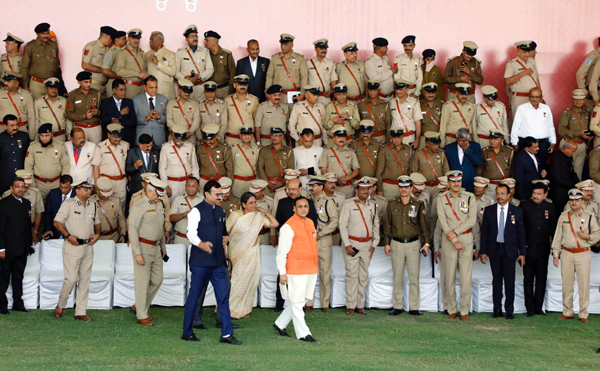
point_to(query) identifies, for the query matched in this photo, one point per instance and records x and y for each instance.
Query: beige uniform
(574, 262)
(111, 160)
(9, 64)
(391, 163)
(338, 199)
(215, 113)
(181, 204)
(453, 75)
(164, 70)
(594, 166)
(409, 69)
(380, 68)
(304, 116)
(245, 162)
(380, 115)
(584, 74)
(431, 118)
(267, 116)
(107, 64)
(334, 110)
(214, 163)
(489, 119)
(321, 74)
(367, 156)
(79, 220)
(176, 165)
(112, 218)
(461, 221)
(496, 167)
(78, 104)
(19, 104)
(273, 163)
(185, 113)
(47, 165)
(239, 112)
(405, 115)
(140, 194)
(146, 224)
(200, 62)
(128, 64)
(432, 166)
(55, 113)
(40, 62)
(455, 116)
(354, 76)
(291, 73)
(94, 53)
(520, 89)
(570, 123)
(342, 164)
(361, 231)
(34, 196)
(592, 207)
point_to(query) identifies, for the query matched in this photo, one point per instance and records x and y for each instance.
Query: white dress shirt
(118, 102)
(253, 64)
(531, 122)
(461, 154)
(505, 212)
(307, 157)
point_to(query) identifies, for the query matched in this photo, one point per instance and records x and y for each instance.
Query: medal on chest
(232, 208)
(55, 153)
(284, 155)
(155, 161)
(262, 67)
(464, 207)
(220, 59)
(438, 159)
(218, 154)
(293, 63)
(19, 143)
(412, 212)
(512, 218)
(546, 214)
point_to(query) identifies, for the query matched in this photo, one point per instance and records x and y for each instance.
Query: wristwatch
(69, 235)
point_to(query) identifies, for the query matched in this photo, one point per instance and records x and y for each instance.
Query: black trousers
(200, 308)
(12, 266)
(279, 301)
(535, 269)
(503, 271)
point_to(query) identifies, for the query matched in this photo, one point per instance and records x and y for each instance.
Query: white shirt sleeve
(286, 235)
(551, 130)
(192, 228)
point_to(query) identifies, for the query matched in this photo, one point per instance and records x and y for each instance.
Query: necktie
(500, 237)
(147, 160)
(76, 154)
(151, 103)
(64, 198)
(119, 106)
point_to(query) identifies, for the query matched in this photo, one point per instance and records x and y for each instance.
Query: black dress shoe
(192, 337)
(529, 314)
(281, 332)
(510, 316)
(497, 315)
(598, 351)
(230, 340)
(275, 310)
(200, 327)
(309, 339)
(396, 312)
(21, 309)
(445, 312)
(4, 311)
(541, 312)
(415, 313)
(233, 325)
(131, 310)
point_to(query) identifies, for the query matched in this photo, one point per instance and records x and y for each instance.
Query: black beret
(380, 41)
(84, 75)
(410, 39)
(108, 30)
(42, 27)
(274, 89)
(118, 34)
(211, 33)
(428, 53)
(45, 129)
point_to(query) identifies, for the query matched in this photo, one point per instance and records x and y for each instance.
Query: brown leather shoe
(361, 311)
(58, 312)
(145, 322)
(453, 316)
(308, 309)
(565, 317)
(325, 310)
(584, 320)
(350, 311)
(83, 318)
(464, 318)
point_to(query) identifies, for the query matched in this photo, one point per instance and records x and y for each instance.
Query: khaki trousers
(463, 260)
(578, 157)
(240, 187)
(111, 237)
(348, 191)
(181, 241)
(483, 142)
(147, 278)
(45, 188)
(37, 89)
(357, 274)
(571, 264)
(324, 246)
(109, 92)
(133, 90)
(433, 191)
(490, 191)
(406, 255)
(390, 190)
(198, 93)
(77, 265)
(177, 188)
(92, 135)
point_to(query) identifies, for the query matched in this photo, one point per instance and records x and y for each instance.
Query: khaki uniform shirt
(379, 68)
(434, 75)
(563, 236)
(489, 169)
(594, 164)
(388, 166)
(452, 73)
(431, 123)
(79, 103)
(296, 75)
(491, 118)
(221, 157)
(224, 68)
(178, 162)
(583, 73)
(181, 204)
(240, 112)
(438, 163)
(482, 203)
(78, 218)
(352, 222)
(34, 196)
(48, 162)
(230, 205)
(165, 199)
(321, 73)
(572, 121)
(215, 113)
(346, 164)
(367, 156)
(10, 64)
(110, 158)
(129, 63)
(199, 61)
(591, 207)
(452, 119)
(39, 60)
(301, 119)
(404, 114)
(327, 215)
(525, 83)
(245, 160)
(186, 113)
(94, 53)
(164, 71)
(405, 221)
(111, 215)
(410, 69)
(381, 113)
(146, 220)
(21, 106)
(465, 207)
(268, 116)
(274, 166)
(356, 84)
(55, 113)
(109, 60)
(334, 110)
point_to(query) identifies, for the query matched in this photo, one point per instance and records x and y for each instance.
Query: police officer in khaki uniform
(379, 68)
(341, 112)
(146, 223)
(194, 63)
(376, 109)
(367, 149)
(161, 64)
(338, 199)
(214, 157)
(109, 161)
(393, 160)
(418, 190)
(463, 69)
(479, 187)
(406, 235)
(47, 160)
(457, 214)
(287, 69)
(223, 64)
(230, 202)
(406, 113)
(321, 71)
(165, 199)
(352, 72)
(274, 160)
(576, 231)
(34, 196)
(490, 115)
(112, 219)
(130, 64)
(51, 108)
(574, 123)
(245, 160)
(431, 110)
(241, 107)
(83, 108)
(409, 67)
(431, 162)
(182, 205)
(40, 61)
(497, 162)
(584, 73)
(177, 162)
(94, 54)
(588, 204)
(79, 223)
(309, 114)
(119, 43)
(359, 230)
(184, 111)
(11, 60)
(213, 110)
(458, 113)
(521, 75)
(19, 102)
(269, 114)
(257, 187)
(340, 160)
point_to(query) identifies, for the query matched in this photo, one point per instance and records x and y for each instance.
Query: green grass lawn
(377, 341)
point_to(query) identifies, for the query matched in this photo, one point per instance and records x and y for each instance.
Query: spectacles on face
(193, 36)
(302, 206)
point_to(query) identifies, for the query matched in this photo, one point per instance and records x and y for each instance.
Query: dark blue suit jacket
(524, 171)
(471, 161)
(129, 121)
(53, 203)
(257, 83)
(133, 155)
(514, 232)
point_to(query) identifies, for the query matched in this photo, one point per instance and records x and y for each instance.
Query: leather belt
(360, 239)
(180, 179)
(181, 234)
(118, 177)
(408, 133)
(285, 91)
(521, 94)
(347, 183)
(337, 231)
(357, 98)
(222, 85)
(349, 137)
(578, 141)
(494, 182)
(412, 86)
(471, 93)
(321, 94)
(244, 178)
(108, 233)
(148, 242)
(384, 95)
(199, 83)
(207, 178)
(264, 231)
(275, 179)
(263, 136)
(87, 126)
(45, 180)
(451, 135)
(467, 231)
(58, 133)
(390, 181)
(406, 240)
(483, 136)
(432, 184)
(37, 79)
(233, 136)
(22, 123)
(576, 250)
(132, 82)
(378, 133)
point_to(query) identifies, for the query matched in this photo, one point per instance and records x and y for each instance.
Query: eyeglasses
(302, 206)
(193, 36)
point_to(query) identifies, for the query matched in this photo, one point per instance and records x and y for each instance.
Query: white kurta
(306, 158)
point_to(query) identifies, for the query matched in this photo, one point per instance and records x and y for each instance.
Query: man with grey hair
(562, 174)
(464, 155)
(162, 64)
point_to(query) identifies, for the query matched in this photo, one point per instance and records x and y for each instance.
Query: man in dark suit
(151, 112)
(526, 168)
(503, 240)
(55, 198)
(256, 68)
(142, 158)
(15, 244)
(119, 110)
(540, 218)
(562, 174)
(464, 155)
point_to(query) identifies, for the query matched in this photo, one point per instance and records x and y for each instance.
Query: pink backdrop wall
(564, 30)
